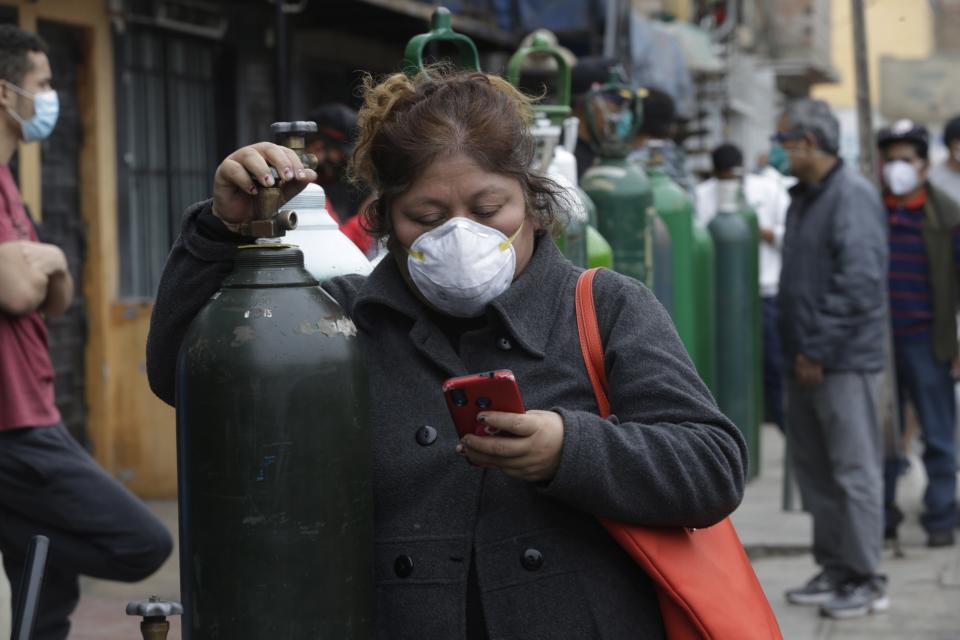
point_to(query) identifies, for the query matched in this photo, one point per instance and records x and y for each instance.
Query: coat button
(531, 560)
(504, 344)
(426, 436)
(403, 566)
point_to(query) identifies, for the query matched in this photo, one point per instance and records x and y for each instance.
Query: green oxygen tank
(274, 474)
(704, 307)
(675, 208)
(620, 190)
(662, 260)
(735, 284)
(745, 211)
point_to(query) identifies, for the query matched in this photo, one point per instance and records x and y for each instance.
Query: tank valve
(269, 223)
(293, 135)
(155, 613)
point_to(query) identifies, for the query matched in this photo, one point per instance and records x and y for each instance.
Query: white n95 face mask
(462, 265)
(901, 177)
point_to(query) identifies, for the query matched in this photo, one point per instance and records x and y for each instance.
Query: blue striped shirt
(911, 304)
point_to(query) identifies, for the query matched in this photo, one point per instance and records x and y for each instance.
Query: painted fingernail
(252, 189)
(268, 180)
(288, 173)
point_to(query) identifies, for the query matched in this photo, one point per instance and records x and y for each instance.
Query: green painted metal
(704, 307)
(440, 31)
(675, 208)
(735, 284)
(599, 252)
(276, 505)
(541, 47)
(746, 212)
(662, 261)
(621, 193)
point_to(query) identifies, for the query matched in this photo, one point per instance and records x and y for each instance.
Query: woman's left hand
(532, 455)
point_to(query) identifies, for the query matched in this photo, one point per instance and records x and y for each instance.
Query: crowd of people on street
(472, 282)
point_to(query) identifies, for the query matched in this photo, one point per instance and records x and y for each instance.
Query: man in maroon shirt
(49, 485)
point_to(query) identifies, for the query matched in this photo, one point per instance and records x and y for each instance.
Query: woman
(508, 546)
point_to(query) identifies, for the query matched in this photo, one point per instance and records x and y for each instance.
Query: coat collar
(526, 310)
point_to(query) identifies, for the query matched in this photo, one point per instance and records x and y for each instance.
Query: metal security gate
(63, 223)
(167, 139)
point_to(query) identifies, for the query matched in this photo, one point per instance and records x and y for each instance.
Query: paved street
(924, 585)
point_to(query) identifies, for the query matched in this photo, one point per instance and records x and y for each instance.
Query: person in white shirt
(766, 193)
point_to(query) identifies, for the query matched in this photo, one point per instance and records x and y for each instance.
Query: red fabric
(354, 230)
(705, 583)
(26, 373)
(915, 202)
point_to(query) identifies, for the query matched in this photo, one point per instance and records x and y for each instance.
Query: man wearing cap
(832, 307)
(946, 175)
(332, 144)
(923, 282)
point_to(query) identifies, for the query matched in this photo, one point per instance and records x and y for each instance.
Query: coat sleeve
(857, 286)
(668, 456)
(198, 263)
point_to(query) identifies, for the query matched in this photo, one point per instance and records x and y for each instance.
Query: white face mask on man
(462, 265)
(901, 177)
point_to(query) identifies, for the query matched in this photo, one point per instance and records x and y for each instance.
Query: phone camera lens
(459, 397)
(483, 402)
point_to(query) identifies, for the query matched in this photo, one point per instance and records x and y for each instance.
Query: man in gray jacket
(833, 315)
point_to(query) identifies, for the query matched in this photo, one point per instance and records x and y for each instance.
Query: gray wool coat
(545, 567)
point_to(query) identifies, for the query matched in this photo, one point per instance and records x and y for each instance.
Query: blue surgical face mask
(46, 108)
(778, 158)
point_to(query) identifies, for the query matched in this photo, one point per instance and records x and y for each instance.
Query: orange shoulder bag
(705, 583)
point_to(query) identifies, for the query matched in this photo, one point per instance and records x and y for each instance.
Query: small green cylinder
(599, 253)
(621, 192)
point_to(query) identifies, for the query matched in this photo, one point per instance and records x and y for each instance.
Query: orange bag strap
(591, 345)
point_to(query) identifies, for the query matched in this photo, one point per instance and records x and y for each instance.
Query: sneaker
(819, 589)
(943, 538)
(857, 598)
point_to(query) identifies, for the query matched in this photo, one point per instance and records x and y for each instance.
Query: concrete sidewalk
(924, 585)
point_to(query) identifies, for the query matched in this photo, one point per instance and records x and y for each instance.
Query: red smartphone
(467, 396)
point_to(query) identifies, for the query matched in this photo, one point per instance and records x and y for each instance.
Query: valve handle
(440, 31)
(541, 47)
(154, 608)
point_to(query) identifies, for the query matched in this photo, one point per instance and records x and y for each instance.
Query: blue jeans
(772, 364)
(929, 386)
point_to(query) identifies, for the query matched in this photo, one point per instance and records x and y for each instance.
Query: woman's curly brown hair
(407, 123)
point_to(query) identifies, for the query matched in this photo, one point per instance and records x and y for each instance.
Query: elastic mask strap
(23, 92)
(509, 241)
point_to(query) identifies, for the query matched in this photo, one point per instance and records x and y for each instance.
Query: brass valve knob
(155, 613)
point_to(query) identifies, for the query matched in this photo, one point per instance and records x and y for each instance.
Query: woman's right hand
(247, 169)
